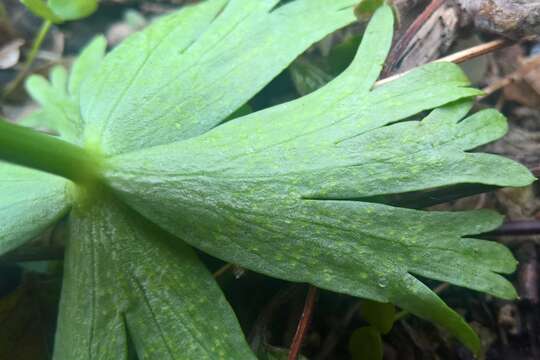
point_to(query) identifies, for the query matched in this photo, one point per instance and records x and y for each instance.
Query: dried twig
(460, 56)
(45, 27)
(222, 270)
(524, 227)
(528, 66)
(257, 336)
(303, 325)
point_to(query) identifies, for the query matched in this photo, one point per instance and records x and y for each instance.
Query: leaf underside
(272, 191)
(127, 281)
(129, 105)
(31, 202)
(288, 191)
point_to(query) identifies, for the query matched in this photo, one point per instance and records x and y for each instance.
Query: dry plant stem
(303, 325)
(460, 56)
(258, 334)
(527, 67)
(524, 227)
(45, 27)
(222, 270)
(401, 45)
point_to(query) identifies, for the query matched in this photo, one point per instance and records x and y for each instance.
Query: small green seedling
(52, 12)
(145, 167)
(366, 342)
(59, 11)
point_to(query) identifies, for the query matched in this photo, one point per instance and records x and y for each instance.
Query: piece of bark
(418, 45)
(528, 274)
(433, 38)
(510, 18)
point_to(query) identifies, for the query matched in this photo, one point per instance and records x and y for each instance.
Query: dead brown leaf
(10, 54)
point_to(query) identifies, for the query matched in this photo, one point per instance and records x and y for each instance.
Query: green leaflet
(40, 8)
(86, 64)
(379, 315)
(31, 202)
(258, 190)
(73, 9)
(58, 11)
(124, 278)
(365, 343)
(60, 113)
(167, 93)
(59, 97)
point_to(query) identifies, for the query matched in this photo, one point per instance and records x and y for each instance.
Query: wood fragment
(398, 51)
(460, 56)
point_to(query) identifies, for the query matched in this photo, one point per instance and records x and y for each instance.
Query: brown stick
(303, 325)
(515, 228)
(531, 64)
(222, 270)
(460, 56)
(476, 51)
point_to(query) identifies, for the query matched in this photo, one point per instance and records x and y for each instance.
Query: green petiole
(23, 146)
(45, 27)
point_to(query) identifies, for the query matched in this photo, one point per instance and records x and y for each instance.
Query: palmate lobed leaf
(271, 191)
(283, 191)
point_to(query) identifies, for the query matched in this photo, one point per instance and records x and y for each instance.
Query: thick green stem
(45, 27)
(23, 146)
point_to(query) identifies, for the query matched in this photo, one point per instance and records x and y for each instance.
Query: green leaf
(60, 112)
(127, 282)
(31, 202)
(156, 87)
(59, 78)
(37, 120)
(272, 191)
(379, 315)
(86, 64)
(365, 343)
(41, 9)
(59, 98)
(299, 191)
(73, 9)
